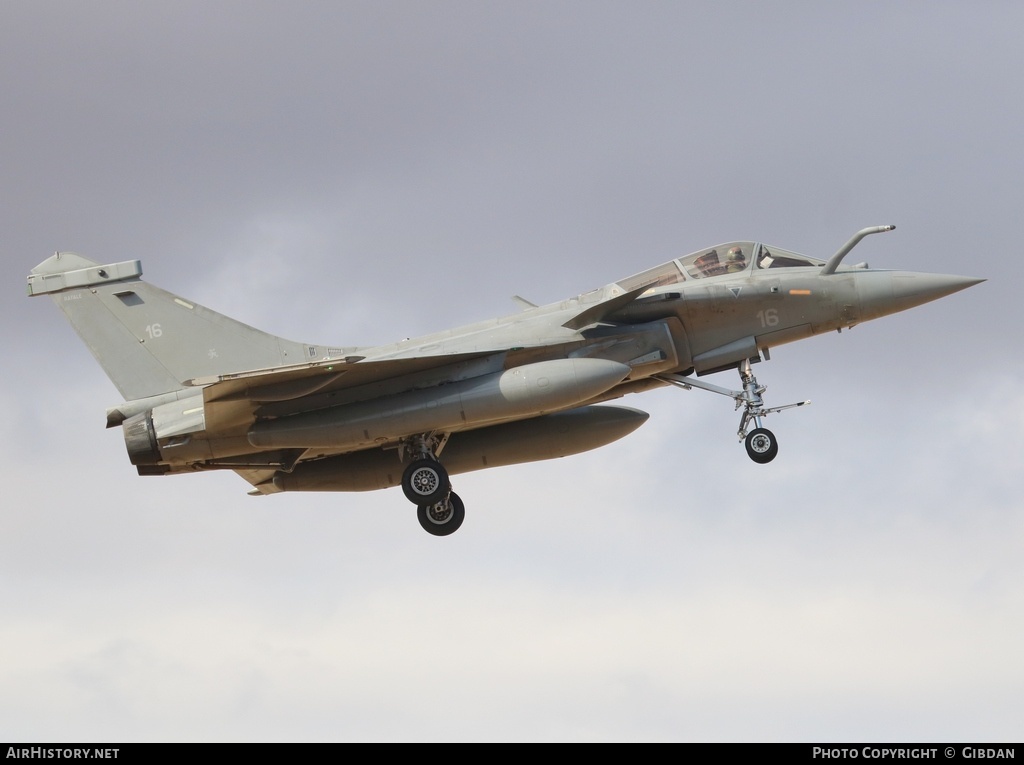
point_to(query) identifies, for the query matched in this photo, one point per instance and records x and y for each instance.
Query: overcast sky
(358, 172)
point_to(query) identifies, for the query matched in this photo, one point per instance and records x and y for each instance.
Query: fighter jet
(205, 392)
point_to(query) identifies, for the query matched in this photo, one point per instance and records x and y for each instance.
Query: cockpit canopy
(721, 260)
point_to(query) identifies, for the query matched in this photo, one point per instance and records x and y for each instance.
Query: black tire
(761, 445)
(444, 517)
(425, 482)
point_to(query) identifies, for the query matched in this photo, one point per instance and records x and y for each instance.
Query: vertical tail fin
(149, 341)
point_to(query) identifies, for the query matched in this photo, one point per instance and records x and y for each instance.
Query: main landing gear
(761, 444)
(426, 484)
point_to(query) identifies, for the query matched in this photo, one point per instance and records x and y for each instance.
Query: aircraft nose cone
(910, 289)
(897, 291)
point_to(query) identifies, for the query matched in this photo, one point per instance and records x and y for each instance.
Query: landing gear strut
(761, 444)
(425, 483)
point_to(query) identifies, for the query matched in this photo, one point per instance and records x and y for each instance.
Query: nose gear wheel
(761, 445)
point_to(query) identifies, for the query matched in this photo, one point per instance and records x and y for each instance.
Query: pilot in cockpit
(735, 261)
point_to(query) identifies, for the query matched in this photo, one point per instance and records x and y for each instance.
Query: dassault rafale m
(205, 392)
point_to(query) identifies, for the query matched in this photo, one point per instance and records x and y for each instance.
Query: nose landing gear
(761, 444)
